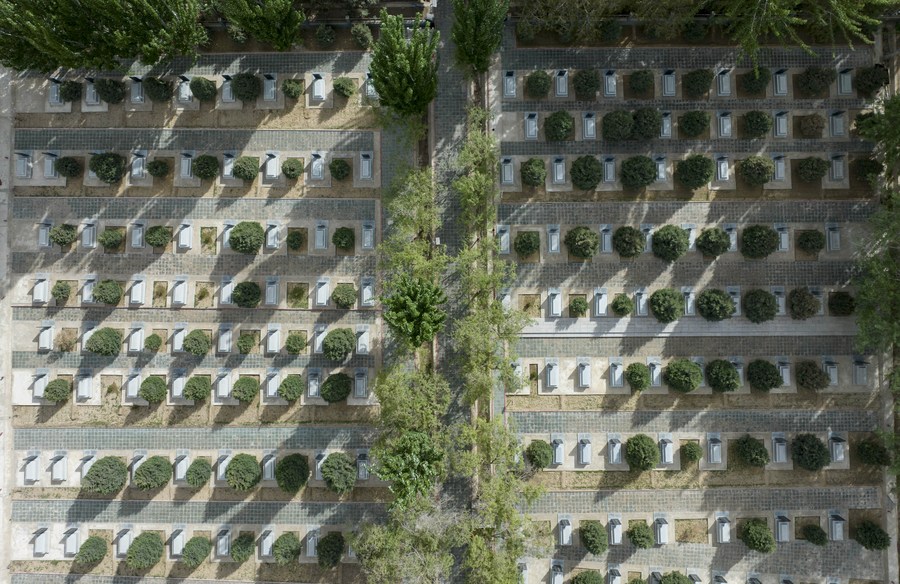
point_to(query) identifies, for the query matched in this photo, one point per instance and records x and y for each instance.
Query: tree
(246, 237)
(758, 241)
(245, 389)
(196, 550)
(242, 547)
(878, 297)
(594, 537)
(629, 241)
(108, 292)
(715, 305)
(404, 71)
(339, 473)
(756, 170)
(286, 549)
(670, 242)
(292, 472)
(64, 234)
(539, 454)
(243, 472)
(638, 172)
(145, 551)
(291, 388)
(411, 401)
(641, 452)
(871, 536)
(802, 304)
(751, 451)
(330, 549)
(675, 578)
(58, 390)
(108, 166)
(413, 463)
(153, 389)
(683, 375)
(198, 473)
(276, 22)
(338, 343)
(881, 127)
(722, 375)
(638, 376)
(694, 171)
(810, 376)
(667, 305)
(760, 306)
(873, 451)
(763, 375)
(336, 387)
(247, 294)
(809, 452)
(478, 30)
(640, 534)
(106, 341)
(153, 473)
(197, 342)
(344, 295)
(106, 476)
(92, 551)
(587, 172)
(582, 242)
(588, 577)
(757, 536)
(414, 310)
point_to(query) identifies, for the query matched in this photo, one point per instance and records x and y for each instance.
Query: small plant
(534, 172)
(815, 81)
(638, 376)
(871, 536)
(292, 88)
(647, 124)
(295, 240)
(338, 343)
(670, 243)
(286, 549)
(344, 296)
(618, 125)
(158, 236)
(291, 388)
(694, 123)
(873, 451)
(330, 550)
(582, 242)
(106, 341)
(325, 35)
(751, 451)
(344, 238)
(246, 168)
(57, 391)
(763, 375)
(64, 234)
(339, 473)
(559, 126)
(628, 241)
(362, 35)
(246, 86)
(106, 476)
(713, 242)
(198, 388)
(246, 389)
(108, 166)
(578, 307)
(683, 375)
(527, 243)
(640, 534)
(158, 168)
(691, 452)
(757, 536)
(641, 452)
(336, 387)
(157, 89)
(758, 241)
(145, 551)
(247, 237)
(757, 123)
(722, 376)
(667, 305)
(155, 472)
(587, 172)
(638, 172)
(695, 84)
(198, 473)
(246, 343)
(339, 169)
(841, 303)
(812, 169)
(203, 89)
(809, 452)
(537, 85)
(153, 389)
(242, 547)
(756, 170)
(755, 82)
(814, 534)
(295, 343)
(760, 306)
(344, 86)
(247, 295)
(586, 83)
(197, 342)
(539, 454)
(640, 82)
(195, 551)
(61, 292)
(206, 167)
(68, 167)
(812, 126)
(811, 241)
(108, 292)
(92, 551)
(811, 376)
(622, 305)
(243, 472)
(715, 305)
(153, 343)
(694, 171)
(112, 91)
(70, 91)
(802, 304)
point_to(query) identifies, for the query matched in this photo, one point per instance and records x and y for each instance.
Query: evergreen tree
(403, 70)
(276, 22)
(478, 30)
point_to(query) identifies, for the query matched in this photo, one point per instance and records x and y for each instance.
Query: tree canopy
(478, 30)
(276, 22)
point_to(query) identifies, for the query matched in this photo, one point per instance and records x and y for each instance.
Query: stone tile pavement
(671, 104)
(196, 317)
(29, 360)
(679, 147)
(96, 579)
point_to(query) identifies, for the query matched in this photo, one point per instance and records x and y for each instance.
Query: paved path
(671, 104)
(25, 359)
(94, 579)
(679, 147)
(244, 316)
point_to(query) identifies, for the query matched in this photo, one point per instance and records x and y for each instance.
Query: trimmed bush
(755, 82)
(586, 83)
(63, 235)
(628, 241)
(246, 86)
(108, 292)
(295, 343)
(537, 85)
(622, 305)
(641, 452)
(578, 307)
(809, 452)
(197, 343)
(293, 89)
(594, 536)
(802, 304)
(814, 534)
(695, 171)
(758, 241)
(812, 126)
(153, 389)
(92, 551)
(336, 387)
(243, 547)
(638, 376)
(362, 35)
(695, 84)
(246, 168)
(68, 167)
(640, 535)
(106, 476)
(291, 388)
(691, 452)
(757, 124)
(247, 295)
(198, 388)
(715, 305)
(756, 170)
(203, 89)
(667, 305)
(683, 375)
(559, 126)
(675, 578)
(108, 166)
(812, 241)
(286, 549)
(587, 172)
(145, 551)
(694, 123)
(339, 472)
(763, 375)
(582, 242)
(106, 342)
(295, 240)
(112, 91)
(841, 303)
(760, 306)
(815, 81)
(638, 172)
(751, 451)
(588, 577)
(61, 292)
(196, 550)
(670, 243)
(247, 237)
(58, 390)
(243, 472)
(70, 90)
(868, 80)
(527, 243)
(292, 472)
(539, 454)
(343, 238)
(871, 536)
(206, 167)
(534, 172)
(246, 389)
(158, 168)
(722, 376)
(811, 376)
(325, 35)
(647, 124)
(111, 238)
(812, 169)
(618, 125)
(154, 473)
(292, 168)
(330, 549)
(198, 473)
(245, 344)
(640, 82)
(873, 451)
(158, 236)
(757, 536)
(344, 86)
(158, 89)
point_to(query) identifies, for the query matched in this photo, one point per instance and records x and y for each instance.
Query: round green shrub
(58, 390)
(325, 35)
(153, 389)
(751, 452)
(330, 549)
(640, 82)
(106, 342)
(628, 241)
(198, 388)
(812, 126)
(683, 375)
(667, 305)
(695, 84)
(722, 376)
(757, 536)
(647, 124)
(292, 168)
(108, 292)
(295, 343)
(195, 551)
(811, 376)
(641, 452)
(715, 305)
(873, 451)
(640, 534)
(694, 171)
(243, 547)
(246, 168)
(70, 91)
(755, 82)
(694, 123)
(155, 472)
(61, 292)
(362, 35)
(106, 476)
(814, 534)
(92, 551)
(760, 306)
(111, 238)
(68, 167)
(286, 549)
(246, 343)
(618, 125)
(691, 451)
(63, 235)
(638, 376)
(638, 172)
(247, 294)
(343, 238)
(534, 172)
(802, 304)
(527, 243)
(247, 237)
(339, 169)
(158, 89)
(291, 388)
(243, 472)
(158, 236)
(868, 80)
(763, 375)
(622, 305)
(246, 86)
(675, 578)
(292, 472)
(197, 343)
(594, 536)
(582, 242)
(336, 387)
(112, 91)
(815, 81)
(757, 124)
(586, 83)
(537, 84)
(756, 170)
(338, 343)
(203, 89)
(871, 536)
(578, 307)
(559, 126)
(245, 389)
(758, 241)
(198, 473)
(339, 472)
(588, 577)
(158, 168)
(292, 88)
(539, 454)
(809, 452)
(295, 240)
(145, 551)
(206, 167)
(812, 169)
(108, 166)
(812, 241)
(587, 172)
(670, 243)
